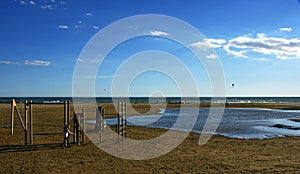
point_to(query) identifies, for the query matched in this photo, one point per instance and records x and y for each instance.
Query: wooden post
(68, 109)
(77, 132)
(100, 121)
(118, 125)
(125, 119)
(25, 122)
(83, 124)
(97, 125)
(12, 115)
(74, 125)
(31, 122)
(65, 114)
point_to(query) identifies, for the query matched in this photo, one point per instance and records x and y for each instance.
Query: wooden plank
(20, 118)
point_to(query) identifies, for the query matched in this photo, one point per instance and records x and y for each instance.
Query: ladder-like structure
(122, 121)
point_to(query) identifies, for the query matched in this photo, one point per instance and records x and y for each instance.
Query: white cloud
(212, 56)
(23, 3)
(281, 48)
(62, 27)
(89, 14)
(79, 24)
(288, 29)
(245, 46)
(95, 27)
(216, 41)
(32, 2)
(235, 53)
(49, 7)
(159, 33)
(37, 63)
(8, 62)
(44, 4)
(209, 43)
(27, 62)
(264, 59)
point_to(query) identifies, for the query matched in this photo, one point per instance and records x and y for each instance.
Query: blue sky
(257, 42)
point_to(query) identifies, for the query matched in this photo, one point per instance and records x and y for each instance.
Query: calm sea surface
(155, 100)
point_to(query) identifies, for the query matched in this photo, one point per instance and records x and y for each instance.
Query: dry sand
(219, 155)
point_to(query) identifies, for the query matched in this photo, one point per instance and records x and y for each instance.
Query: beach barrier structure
(28, 113)
(99, 126)
(80, 127)
(122, 120)
(24, 123)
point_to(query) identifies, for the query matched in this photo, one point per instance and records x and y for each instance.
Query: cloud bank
(37, 63)
(159, 33)
(62, 27)
(261, 45)
(28, 62)
(286, 29)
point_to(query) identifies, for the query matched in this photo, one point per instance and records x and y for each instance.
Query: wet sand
(219, 155)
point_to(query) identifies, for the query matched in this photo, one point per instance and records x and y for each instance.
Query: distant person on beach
(66, 133)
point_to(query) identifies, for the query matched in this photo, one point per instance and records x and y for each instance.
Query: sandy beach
(219, 155)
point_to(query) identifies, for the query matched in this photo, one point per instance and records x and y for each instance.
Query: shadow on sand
(29, 148)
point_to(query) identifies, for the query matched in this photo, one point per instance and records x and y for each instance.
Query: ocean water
(244, 123)
(156, 100)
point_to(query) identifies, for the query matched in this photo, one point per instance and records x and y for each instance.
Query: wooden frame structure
(99, 126)
(79, 125)
(122, 120)
(79, 121)
(28, 111)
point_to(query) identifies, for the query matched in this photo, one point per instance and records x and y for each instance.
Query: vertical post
(65, 114)
(83, 125)
(68, 109)
(77, 130)
(25, 130)
(12, 115)
(31, 122)
(74, 125)
(125, 118)
(118, 125)
(101, 123)
(97, 128)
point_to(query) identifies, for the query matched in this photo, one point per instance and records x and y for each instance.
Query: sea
(242, 123)
(154, 99)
